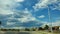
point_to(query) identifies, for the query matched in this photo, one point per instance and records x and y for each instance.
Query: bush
(26, 29)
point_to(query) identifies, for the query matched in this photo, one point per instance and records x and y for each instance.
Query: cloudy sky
(29, 13)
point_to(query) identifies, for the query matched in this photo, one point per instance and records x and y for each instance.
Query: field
(27, 32)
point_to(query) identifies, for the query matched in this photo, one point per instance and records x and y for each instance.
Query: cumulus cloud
(7, 6)
(56, 7)
(19, 0)
(44, 3)
(5, 12)
(4, 7)
(10, 23)
(24, 16)
(27, 16)
(51, 24)
(26, 19)
(42, 16)
(56, 23)
(40, 4)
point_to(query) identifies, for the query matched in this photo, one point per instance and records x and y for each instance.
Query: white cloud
(18, 27)
(2, 26)
(26, 19)
(56, 23)
(7, 6)
(10, 23)
(4, 8)
(27, 16)
(19, 0)
(26, 10)
(56, 7)
(44, 4)
(5, 12)
(40, 4)
(42, 16)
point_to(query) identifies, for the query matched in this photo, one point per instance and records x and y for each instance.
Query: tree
(46, 27)
(40, 28)
(33, 29)
(26, 29)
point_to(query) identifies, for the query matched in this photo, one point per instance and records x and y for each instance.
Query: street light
(49, 17)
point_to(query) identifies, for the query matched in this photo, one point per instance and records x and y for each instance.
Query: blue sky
(29, 13)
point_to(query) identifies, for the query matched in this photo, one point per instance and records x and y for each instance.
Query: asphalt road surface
(26, 32)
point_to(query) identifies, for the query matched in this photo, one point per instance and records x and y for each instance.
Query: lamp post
(49, 18)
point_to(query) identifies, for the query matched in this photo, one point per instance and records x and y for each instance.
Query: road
(26, 32)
